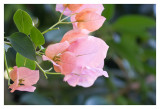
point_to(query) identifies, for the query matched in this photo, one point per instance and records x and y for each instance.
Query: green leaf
(21, 61)
(109, 10)
(23, 21)
(23, 45)
(127, 48)
(133, 24)
(36, 36)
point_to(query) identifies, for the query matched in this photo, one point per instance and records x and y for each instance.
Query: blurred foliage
(130, 32)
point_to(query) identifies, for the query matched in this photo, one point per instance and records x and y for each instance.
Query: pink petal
(26, 88)
(13, 73)
(74, 7)
(30, 77)
(45, 58)
(55, 49)
(75, 25)
(57, 67)
(89, 51)
(67, 63)
(88, 19)
(98, 7)
(85, 77)
(89, 76)
(60, 8)
(72, 79)
(73, 34)
(13, 86)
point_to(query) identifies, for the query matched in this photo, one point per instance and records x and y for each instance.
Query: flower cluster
(79, 56)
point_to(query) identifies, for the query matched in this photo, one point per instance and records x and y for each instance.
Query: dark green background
(129, 30)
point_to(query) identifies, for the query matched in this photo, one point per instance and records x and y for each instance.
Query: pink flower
(76, 8)
(23, 79)
(81, 60)
(88, 16)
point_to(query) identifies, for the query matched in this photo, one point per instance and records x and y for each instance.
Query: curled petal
(57, 67)
(26, 88)
(14, 86)
(86, 77)
(55, 49)
(72, 79)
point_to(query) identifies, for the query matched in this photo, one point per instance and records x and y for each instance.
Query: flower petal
(74, 7)
(57, 67)
(73, 34)
(86, 77)
(28, 76)
(13, 73)
(90, 20)
(60, 8)
(55, 49)
(26, 88)
(67, 62)
(89, 51)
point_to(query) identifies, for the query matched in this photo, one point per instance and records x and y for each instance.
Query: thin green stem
(8, 43)
(49, 30)
(41, 70)
(61, 14)
(38, 54)
(5, 61)
(67, 22)
(59, 22)
(53, 73)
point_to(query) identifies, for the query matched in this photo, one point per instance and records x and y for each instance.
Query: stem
(5, 61)
(8, 43)
(61, 14)
(67, 22)
(49, 30)
(38, 54)
(53, 73)
(57, 23)
(41, 69)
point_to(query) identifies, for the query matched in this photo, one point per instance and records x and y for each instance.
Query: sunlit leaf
(36, 36)
(23, 21)
(21, 61)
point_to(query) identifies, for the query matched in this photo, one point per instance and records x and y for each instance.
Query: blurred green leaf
(36, 36)
(127, 48)
(150, 69)
(121, 100)
(109, 10)
(135, 24)
(23, 21)
(22, 44)
(21, 61)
